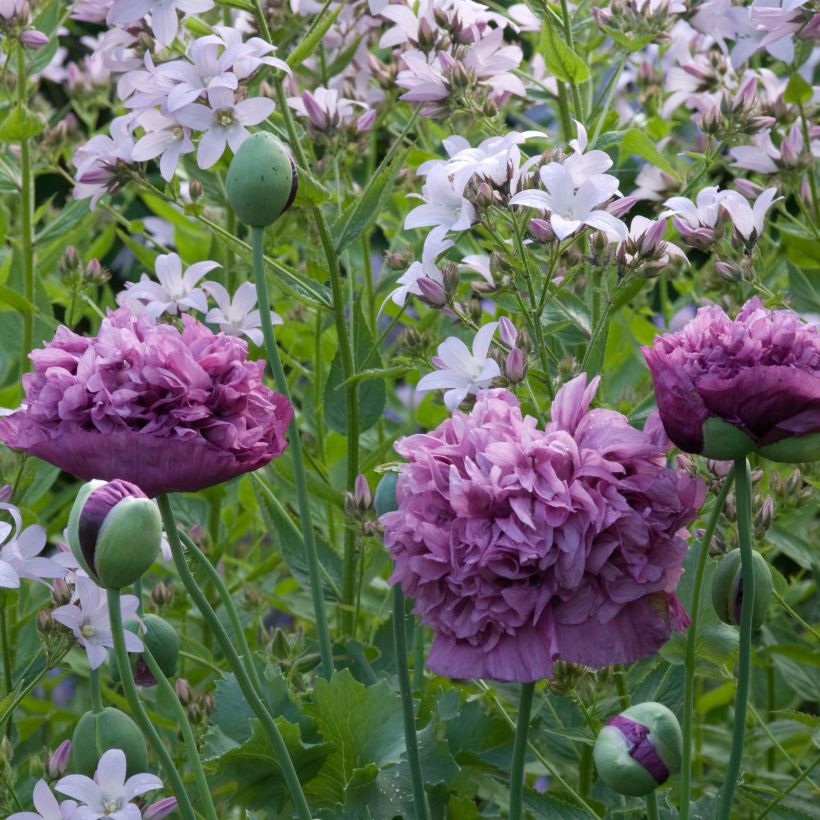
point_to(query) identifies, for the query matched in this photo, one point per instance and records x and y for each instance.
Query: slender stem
(609, 95)
(691, 648)
(563, 112)
(620, 685)
(299, 478)
(789, 789)
(771, 706)
(94, 689)
(743, 493)
(6, 641)
(652, 806)
(585, 772)
(520, 750)
(408, 711)
(137, 710)
(26, 217)
(243, 679)
(192, 752)
(418, 655)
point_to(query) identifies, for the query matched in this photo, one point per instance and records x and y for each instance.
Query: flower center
(86, 629)
(177, 132)
(224, 117)
(110, 806)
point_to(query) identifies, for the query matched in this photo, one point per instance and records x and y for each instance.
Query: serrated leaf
(798, 91)
(21, 124)
(545, 805)
(561, 61)
(637, 142)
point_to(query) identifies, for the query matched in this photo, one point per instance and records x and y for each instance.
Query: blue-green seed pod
(98, 732)
(114, 531)
(161, 639)
(639, 749)
(261, 181)
(385, 498)
(727, 588)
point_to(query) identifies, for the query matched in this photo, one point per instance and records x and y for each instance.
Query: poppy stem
(250, 692)
(299, 479)
(691, 649)
(743, 493)
(520, 751)
(652, 806)
(138, 711)
(94, 690)
(408, 710)
(26, 217)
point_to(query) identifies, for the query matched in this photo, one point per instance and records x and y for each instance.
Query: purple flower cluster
(523, 546)
(165, 409)
(759, 373)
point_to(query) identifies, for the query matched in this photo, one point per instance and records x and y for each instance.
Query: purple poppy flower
(166, 409)
(524, 546)
(726, 388)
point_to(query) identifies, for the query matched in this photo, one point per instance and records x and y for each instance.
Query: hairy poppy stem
(691, 649)
(26, 217)
(94, 690)
(408, 711)
(520, 751)
(138, 711)
(652, 806)
(308, 538)
(743, 484)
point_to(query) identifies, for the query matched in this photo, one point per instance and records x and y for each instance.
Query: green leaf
(372, 394)
(545, 805)
(310, 190)
(798, 90)
(794, 546)
(358, 216)
(365, 726)
(13, 299)
(805, 288)
(21, 124)
(560, 59)
(637, 142)
(71, 215)
(318, 28)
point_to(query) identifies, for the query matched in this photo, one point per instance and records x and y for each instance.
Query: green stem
(418, 655)
(743, 493)
(410, 740)
(652, 806)
(137, 710)
(94, 689)
(691, 648)
(5, 638)
(520, 750)
(243, 679)
(771, 706)
(609, 95)
(188, 738)
(299, 478)
(585, 771)
(789, 789)
(563, 112)
(27, 218)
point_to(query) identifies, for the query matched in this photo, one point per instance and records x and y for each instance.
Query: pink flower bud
(792, 147)
(747, 94)
(653, 237)
(749, 189)
(316, 114)
(33, 39)
(515, 367)
(432, 292)
(57, 762)
(5, 492)
(541, 230)
(365, 122)
(700, 237)
(160, 809)
(507, 332)
(361, 493)
(620, 206)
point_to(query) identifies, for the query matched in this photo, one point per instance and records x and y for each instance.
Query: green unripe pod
(385, 498)
(161, 639)
(639, 749)
(98, 732)
(114, 531)
(261, 181)
(727, 588)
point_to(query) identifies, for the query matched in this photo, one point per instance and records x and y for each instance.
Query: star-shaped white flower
(20, 552)
(48, 808)
(237, 316)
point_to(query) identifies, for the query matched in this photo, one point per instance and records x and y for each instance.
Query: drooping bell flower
(728, 388)
(524, 546)
(166, 409)
(639, 749)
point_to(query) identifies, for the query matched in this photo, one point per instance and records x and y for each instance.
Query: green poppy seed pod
(114, 531)
(161, 639)
(639, 749)
(98, 732)
(385, 498)
(727, 588)
(261, 181)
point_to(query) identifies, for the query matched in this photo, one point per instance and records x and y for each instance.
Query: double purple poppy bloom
(523, 546)
(166, 409)
(728, 388)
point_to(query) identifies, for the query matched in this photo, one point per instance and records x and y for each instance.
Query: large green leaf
(560, 59)
(637, 142)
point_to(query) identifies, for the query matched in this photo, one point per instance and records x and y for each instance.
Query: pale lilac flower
(570, 209)
(164, 22)
(653, 184)
(408, 282)
(581, 163)
(166, 139)
(223, 120)
(237, 316)
(327, 111)
(174, 291)
(20, 552)
(749, 220)
(459, 371)
(47, 806)
(646, 244)
(479, 263)
(101, 160)
(90, 11)
(697, 84)
(444, 203)
(765, 158)
(12, 8)
(249, 55)
(697, 221)
(109, 794)
(87, 618)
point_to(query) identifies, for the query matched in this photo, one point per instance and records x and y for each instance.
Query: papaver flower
(726, 388)
(523, 546)
(166, 409)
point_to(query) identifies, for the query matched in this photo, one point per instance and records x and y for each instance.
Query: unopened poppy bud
(432, 292)
(639, 749)
(114, 531)
(97, 732)
(56, 763)
(385, 499)
(515, 367)
(162, 641)
(727, 588)
(261, 181)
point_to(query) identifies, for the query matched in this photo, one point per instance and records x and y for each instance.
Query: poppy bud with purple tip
(727, 588)
(385, 499)
(161, 639)
(97, 732)
(114, 531)
(639, 749)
